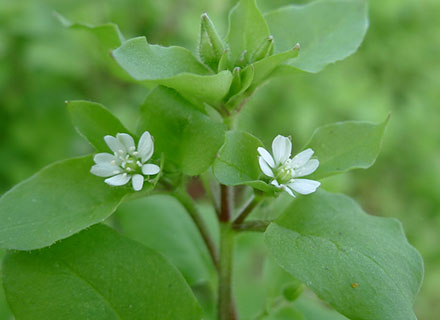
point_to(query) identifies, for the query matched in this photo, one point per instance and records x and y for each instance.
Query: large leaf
(55, 203)
(108, 34)
(327, 31)
(96, 274)
(93, 121)
(348, 145)
(145, 220)
(174, 67)
(362, 265)
(187, 137)
(237, 162)
(247, 29)
(5, 313)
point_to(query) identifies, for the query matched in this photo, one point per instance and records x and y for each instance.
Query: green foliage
(187, 137)
(174, 67)
(93, 121)
(247, 32)
(55, 203)
(96, 274)
(145, 220)
(346, 145)
(323, 234)
(327, 31)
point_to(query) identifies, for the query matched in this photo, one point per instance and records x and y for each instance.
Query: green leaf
(96, 274)
(263, 68)
(4, 308)
(237, 162)
(108, 34)
(55, 203)
(344, 146)
(174, 67)
(316, 310)
(188, 138)
(362, 265)
(211, 47)
(93, 121)
(328, 31)
(247, 30)
(145, 220)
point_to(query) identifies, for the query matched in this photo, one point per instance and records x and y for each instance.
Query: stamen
(135, 153)
(139, 163)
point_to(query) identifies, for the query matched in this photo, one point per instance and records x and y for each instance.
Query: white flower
(285, 171)
(126, 163)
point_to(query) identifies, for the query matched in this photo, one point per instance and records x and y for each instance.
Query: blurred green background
(397, 70)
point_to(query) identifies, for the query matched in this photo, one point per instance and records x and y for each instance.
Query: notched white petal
(150, 169)
(105, 170)
(137, 182)
(301, 158)
(103, 157)
(145, 147)
(127, 141)
(118, 180)
(304, 186)
(308, 168)
(266, 156)
(265, 167)
(114, 144)
(281, 149)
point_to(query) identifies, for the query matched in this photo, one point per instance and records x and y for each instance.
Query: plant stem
(251, 205)
(226, 203)
(226, 308)
(256, 226)
(188, 203)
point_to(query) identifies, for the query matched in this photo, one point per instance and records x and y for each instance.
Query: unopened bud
(211, 46)
(264, 50)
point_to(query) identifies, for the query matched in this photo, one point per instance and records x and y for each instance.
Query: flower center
(130, 163)
(285, 173)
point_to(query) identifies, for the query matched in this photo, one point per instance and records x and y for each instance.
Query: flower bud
(264, 50)
(211, 46)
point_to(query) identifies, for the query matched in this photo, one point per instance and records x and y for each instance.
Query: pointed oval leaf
(237, 162)
(93, 121)
(55, 203)
(347, 145)
(96, 274)
(247, 29)
(362, 265)
(328, 31)
(174, 67)
(187, 138)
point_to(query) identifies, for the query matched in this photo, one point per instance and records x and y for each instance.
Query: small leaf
(188, 138)
(247, 30)
(93, 121)
(145, 220)
(55, 203)
(108, 34)
(237, 162)
(96, 274)
(362, 265)
(174, 67)
(344, 146)
(328, 31)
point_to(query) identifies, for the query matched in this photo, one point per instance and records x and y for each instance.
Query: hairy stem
(188, 203)
(226, 308)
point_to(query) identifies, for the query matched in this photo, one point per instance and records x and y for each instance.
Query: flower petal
(145, 146)
(265, 167)
(118, 180)
(137, 182)
(103, 157)
(308, 168)
(115, 145)
(288, 190)
(281, 149)
(149, 169)
(127, 141)
(301, 158)
(304, 186)
(275, 183)
(105, 170)
(266, 156)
